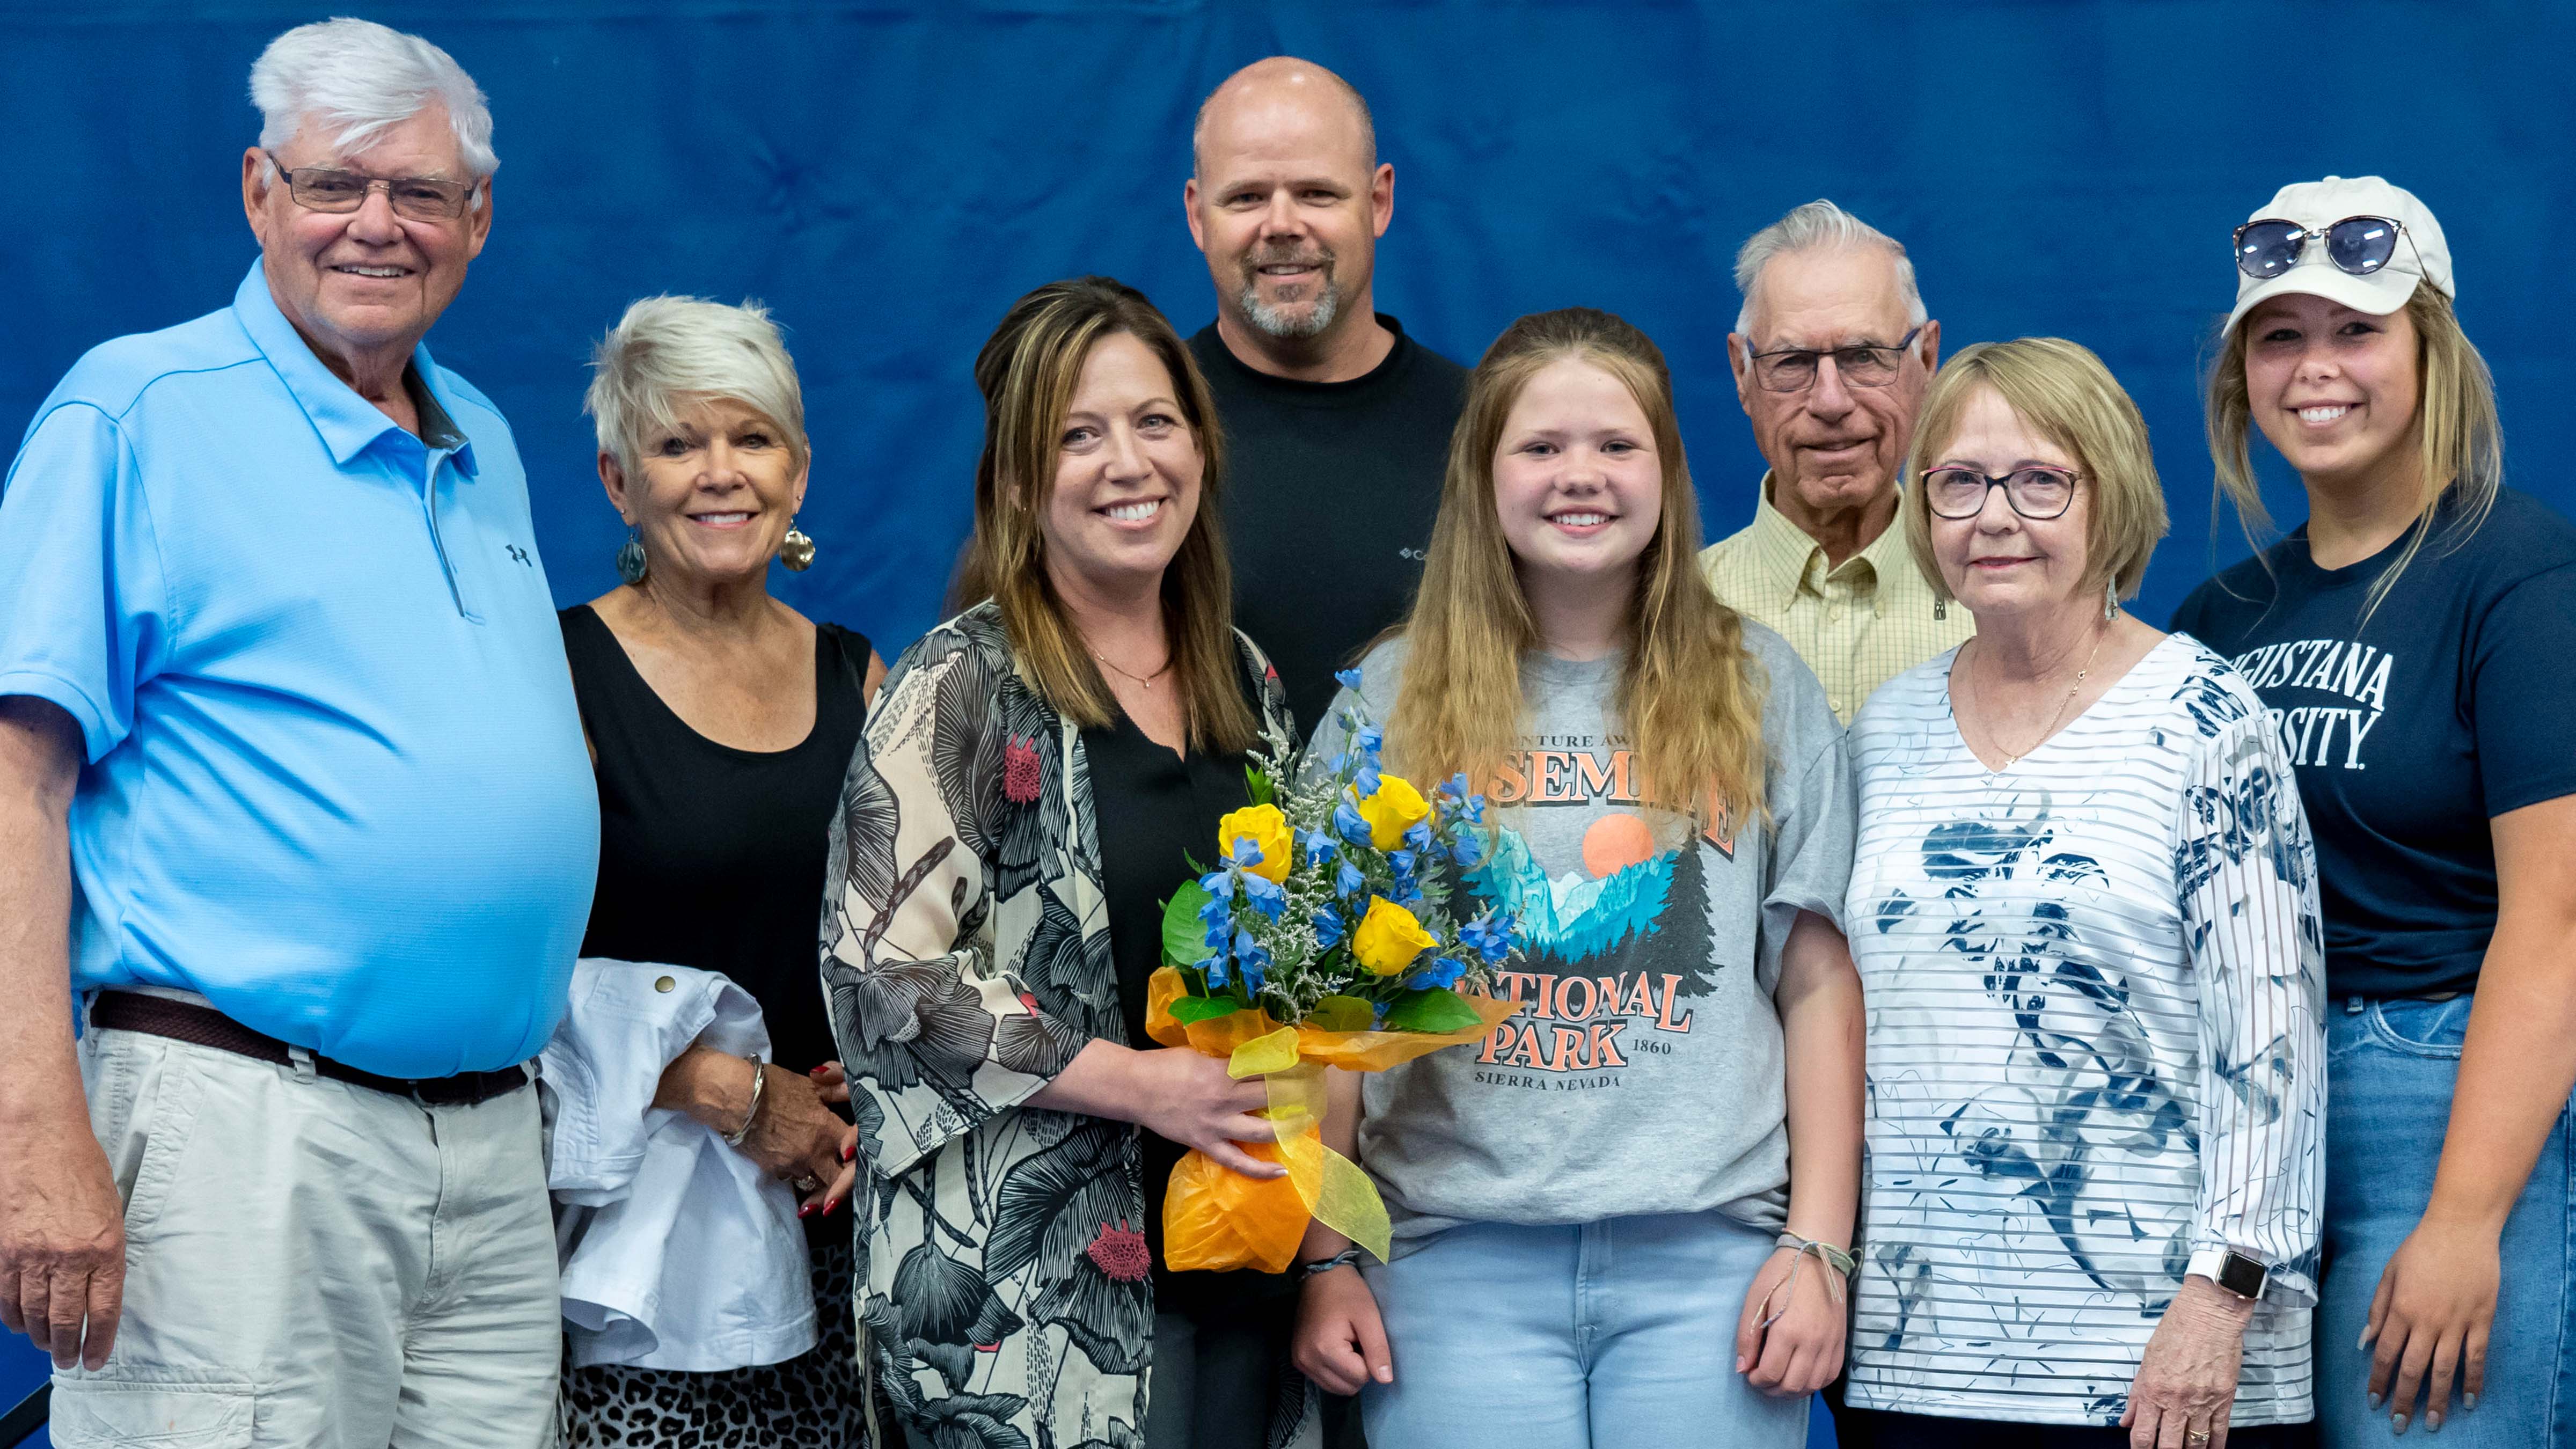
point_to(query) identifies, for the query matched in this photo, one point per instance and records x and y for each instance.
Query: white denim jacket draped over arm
(677, 1252)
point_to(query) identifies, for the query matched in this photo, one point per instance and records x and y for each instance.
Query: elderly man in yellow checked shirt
(1832, 354)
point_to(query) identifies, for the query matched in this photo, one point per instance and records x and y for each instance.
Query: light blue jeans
(1608, 1334)
(2391, 1066)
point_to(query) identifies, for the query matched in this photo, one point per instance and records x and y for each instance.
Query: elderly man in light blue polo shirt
(293, 796)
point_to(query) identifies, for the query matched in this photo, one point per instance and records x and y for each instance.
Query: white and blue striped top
(2094, 985)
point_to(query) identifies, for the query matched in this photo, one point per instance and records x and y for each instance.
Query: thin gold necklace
(2011, 759)
(1146, 680)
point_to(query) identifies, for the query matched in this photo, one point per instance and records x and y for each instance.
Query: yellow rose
(1267, 829)
(1396, 808)
(1389, 938)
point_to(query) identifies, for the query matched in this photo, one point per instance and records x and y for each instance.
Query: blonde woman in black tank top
(720, 722)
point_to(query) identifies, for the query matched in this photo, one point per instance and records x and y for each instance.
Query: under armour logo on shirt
(520, 554)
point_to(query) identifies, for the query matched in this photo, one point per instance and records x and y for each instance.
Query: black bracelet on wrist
(1346, 1258)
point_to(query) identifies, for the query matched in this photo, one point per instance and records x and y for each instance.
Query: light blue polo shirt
(335, 778)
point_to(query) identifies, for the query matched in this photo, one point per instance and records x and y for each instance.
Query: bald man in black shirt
(1337, 423)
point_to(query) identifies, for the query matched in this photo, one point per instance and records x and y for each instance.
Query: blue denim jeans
(2390, 1070)
(1609, 1334)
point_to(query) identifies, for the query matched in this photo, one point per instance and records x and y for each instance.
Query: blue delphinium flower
(1244, 852)
(1372, 740)
(1263, 896)
(1347, 678)
(1349, 823)
(1251, 959)
(1348, 881)
(1467, 847)
(1320, 848)
(1442, 971)
(1215, 967)
(1418, 839)
(1492, 941)
(1328, 929)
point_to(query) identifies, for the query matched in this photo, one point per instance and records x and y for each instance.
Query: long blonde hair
(2459, 440)
(1028, 372)
(1689, 696)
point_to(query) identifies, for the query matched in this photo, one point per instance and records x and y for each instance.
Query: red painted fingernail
(830, 1203)
(849, 1152)
(818, 1071)
(806, 1211)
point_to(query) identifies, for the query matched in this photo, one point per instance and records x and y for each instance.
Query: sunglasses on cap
(2359, 245)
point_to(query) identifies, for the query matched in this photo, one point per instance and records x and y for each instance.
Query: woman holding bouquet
(1020, 806)
(1587, 1211)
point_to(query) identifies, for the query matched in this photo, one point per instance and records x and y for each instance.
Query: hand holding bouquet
(1324, 937)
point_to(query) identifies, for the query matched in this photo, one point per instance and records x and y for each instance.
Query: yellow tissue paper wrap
(1215, 1218)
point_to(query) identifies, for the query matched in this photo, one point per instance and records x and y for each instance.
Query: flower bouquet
(1324, 937)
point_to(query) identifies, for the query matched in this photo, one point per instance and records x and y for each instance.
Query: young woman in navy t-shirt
(2415, 641)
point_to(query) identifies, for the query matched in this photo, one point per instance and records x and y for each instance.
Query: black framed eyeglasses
(2360, 245)
(2036, 493)
(421, 198)
(1793, 369)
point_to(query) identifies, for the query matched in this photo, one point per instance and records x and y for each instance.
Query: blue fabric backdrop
(888, 176)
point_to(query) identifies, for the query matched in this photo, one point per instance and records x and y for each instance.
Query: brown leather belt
(204, 1026)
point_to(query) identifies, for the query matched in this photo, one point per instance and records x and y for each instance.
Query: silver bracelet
(759, 1080)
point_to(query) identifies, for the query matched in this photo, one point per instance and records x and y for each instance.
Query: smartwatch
(2229, 1269)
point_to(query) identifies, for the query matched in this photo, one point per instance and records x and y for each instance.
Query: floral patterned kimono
(1003, 1281)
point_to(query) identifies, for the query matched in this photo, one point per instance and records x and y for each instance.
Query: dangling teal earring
(630, 558)
(795, 551)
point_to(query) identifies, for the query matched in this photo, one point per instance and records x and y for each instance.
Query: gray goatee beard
(1280, 322)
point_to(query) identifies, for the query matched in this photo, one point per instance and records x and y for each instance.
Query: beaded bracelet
(759, 1079)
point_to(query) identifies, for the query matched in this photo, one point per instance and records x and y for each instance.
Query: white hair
(1816, 225)
(364, 79)
(668, 353)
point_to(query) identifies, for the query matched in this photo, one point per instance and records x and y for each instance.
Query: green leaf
(1184, 934)
(1259, 784)
(1433, 1009)
(1203, 1008)
(1342, 1013)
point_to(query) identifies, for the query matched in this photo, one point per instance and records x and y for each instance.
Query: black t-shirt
(712, 857)
(2409, 733)
(1331, 490)
(1153, 808)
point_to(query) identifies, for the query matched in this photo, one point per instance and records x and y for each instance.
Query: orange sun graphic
(1616, 842)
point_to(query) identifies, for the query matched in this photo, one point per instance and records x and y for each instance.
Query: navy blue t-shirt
(2451, 706)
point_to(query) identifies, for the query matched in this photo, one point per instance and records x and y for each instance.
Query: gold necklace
(1146, 680)
(2011, 759)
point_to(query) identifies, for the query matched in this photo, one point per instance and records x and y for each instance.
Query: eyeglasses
(2360, 245)
(2037, 493)
(420, 198)
(1793, 369)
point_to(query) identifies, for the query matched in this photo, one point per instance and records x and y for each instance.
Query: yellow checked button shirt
(1857, 626)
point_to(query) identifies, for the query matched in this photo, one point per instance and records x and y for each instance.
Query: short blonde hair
(669, 353)
(2061, 389)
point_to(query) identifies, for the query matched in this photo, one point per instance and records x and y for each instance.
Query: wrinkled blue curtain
(889, 176)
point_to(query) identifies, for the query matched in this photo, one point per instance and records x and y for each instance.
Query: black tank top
(710, 856)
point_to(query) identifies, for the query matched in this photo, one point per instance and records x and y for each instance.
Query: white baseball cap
(2421, 255)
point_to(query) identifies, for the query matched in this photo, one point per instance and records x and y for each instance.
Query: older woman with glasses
(2084, 911)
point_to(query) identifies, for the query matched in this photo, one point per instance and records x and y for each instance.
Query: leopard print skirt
(817, 1400)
